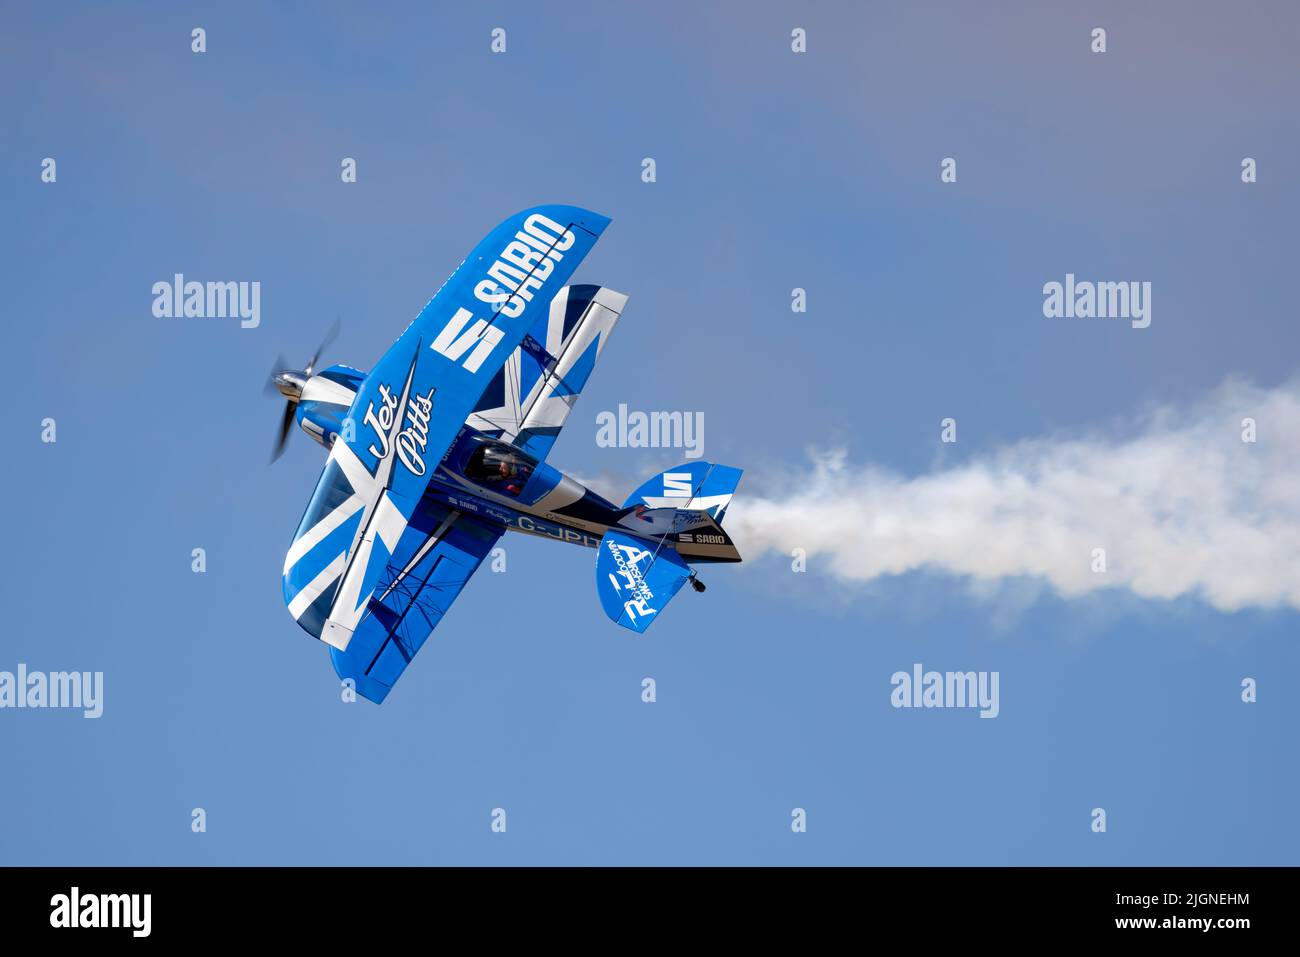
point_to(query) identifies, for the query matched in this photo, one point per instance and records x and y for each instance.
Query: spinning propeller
(290, 383)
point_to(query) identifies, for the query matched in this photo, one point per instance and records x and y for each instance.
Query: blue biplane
(441, 448)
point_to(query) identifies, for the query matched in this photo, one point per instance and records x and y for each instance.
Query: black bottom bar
(380, 906)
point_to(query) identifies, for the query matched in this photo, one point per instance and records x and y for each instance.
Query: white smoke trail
(1181, 505)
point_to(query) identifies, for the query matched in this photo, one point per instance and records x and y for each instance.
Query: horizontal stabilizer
(636, 579)
(695, 487)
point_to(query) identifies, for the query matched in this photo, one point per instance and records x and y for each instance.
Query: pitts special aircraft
(439, 450)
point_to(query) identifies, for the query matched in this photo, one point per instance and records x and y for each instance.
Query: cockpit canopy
(500, 467)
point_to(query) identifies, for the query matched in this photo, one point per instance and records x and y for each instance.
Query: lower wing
(436, 555)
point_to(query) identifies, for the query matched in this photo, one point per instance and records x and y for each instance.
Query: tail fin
(675, 516)
(636, 579)
(693, 487)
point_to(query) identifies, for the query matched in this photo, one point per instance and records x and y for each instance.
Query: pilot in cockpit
(499, 467)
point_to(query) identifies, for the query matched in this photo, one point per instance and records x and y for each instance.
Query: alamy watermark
(1098, 300)
(129, 911)
(946, 689)
(179, 299)
(651, 430)
(55, 689)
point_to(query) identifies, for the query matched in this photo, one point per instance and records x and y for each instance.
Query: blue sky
(775, 171)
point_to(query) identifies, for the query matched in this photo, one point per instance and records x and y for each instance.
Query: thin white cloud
(1181, 505)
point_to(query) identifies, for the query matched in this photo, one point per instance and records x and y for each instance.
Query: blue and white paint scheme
(440, 448)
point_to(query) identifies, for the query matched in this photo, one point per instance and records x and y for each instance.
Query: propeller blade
(293, 384)
(286, 423)
(268, 387)
(325, 344)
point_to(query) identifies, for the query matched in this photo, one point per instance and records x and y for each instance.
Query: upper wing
(413, 403)
(434, 558)
(529, 398)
